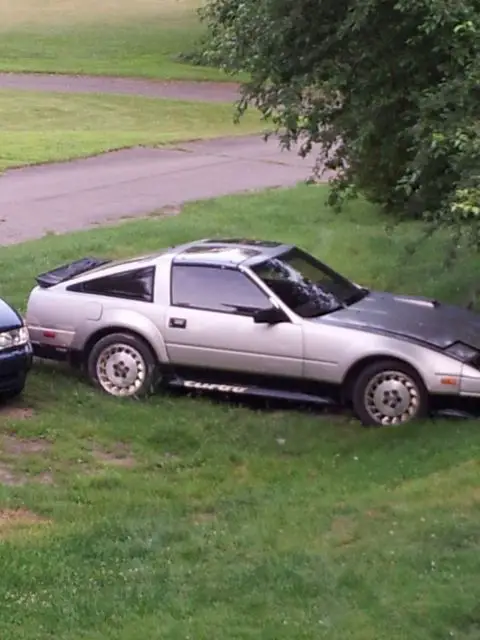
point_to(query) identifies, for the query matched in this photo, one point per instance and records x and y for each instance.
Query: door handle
(177, 323)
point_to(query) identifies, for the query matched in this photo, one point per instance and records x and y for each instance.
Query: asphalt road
(80, 194)
(173, 90)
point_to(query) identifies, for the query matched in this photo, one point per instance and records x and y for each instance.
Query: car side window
(216, 289)
(136, 284)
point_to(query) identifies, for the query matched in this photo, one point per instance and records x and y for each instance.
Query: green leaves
(390, 89)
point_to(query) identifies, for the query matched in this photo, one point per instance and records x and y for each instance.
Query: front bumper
(462, 400)
(470, 382)
(14, 367)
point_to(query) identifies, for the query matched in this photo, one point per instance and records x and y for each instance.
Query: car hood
(9, 318)
(410, 317)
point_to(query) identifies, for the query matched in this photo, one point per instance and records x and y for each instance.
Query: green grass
(119, 38)
(44, 127)
(235, 522)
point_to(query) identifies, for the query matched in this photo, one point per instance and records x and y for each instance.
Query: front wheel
(11, 394)
(123, 366)
(389, 393)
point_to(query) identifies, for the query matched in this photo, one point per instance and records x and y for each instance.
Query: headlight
(462, 352)
(13, 338)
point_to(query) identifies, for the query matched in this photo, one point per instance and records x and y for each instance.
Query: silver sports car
(257, 318)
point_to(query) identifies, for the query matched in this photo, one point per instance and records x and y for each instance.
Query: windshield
(307, 286)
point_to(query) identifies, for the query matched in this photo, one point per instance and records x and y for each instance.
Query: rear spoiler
(68, 271)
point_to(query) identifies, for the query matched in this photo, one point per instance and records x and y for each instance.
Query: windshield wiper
(356, 297)
(316, 313)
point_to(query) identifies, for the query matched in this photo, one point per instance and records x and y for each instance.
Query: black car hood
(410, 317)
(9, 318)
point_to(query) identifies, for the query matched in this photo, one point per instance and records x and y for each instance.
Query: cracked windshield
(307, 286)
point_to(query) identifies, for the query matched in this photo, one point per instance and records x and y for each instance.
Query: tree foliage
(390, 89)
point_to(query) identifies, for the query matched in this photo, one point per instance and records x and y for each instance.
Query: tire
(123, 365)
(6, 396)
(389, 393)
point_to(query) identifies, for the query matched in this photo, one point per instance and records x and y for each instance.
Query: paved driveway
(84, 193)
(172, 90)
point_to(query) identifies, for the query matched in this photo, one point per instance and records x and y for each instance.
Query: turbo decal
(207, 386)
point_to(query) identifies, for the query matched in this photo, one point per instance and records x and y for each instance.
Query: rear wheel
(389, 393)
(123, 365)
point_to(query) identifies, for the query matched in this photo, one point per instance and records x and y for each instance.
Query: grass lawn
(44, 127)
(188, 518)
(111, 37)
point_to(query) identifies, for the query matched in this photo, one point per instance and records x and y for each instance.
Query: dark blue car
(15, 352)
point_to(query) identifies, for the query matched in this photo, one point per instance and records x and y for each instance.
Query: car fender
(118, 320)
(431, 365)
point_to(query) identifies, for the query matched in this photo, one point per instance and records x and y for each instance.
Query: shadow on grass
(258, 404)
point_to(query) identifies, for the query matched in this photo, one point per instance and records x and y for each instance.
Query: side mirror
(273, 315)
